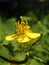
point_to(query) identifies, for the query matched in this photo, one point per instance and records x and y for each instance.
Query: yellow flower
(24, 33)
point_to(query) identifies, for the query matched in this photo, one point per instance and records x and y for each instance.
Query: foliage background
(36, 12)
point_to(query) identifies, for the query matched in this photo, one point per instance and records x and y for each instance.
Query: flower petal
(32, 35)
(23, 40)
(11, 37)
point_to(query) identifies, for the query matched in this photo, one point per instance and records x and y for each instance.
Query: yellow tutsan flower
(24, 33)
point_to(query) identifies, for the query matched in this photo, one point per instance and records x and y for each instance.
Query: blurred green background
(36, 12)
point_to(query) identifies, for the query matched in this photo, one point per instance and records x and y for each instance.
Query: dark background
(11, 8)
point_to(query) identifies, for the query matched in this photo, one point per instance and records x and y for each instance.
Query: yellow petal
(32, 35)
(11, 37)
(23, 40)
